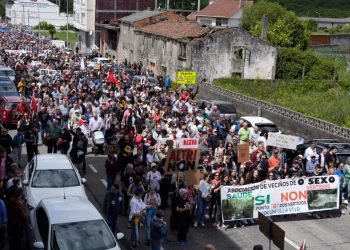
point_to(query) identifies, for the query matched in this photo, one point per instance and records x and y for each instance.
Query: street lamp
(67, 22)
(318, 18)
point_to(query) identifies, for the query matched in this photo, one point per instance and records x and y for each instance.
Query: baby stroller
(98, 140)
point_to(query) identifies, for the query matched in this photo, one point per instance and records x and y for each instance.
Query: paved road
(319, 234)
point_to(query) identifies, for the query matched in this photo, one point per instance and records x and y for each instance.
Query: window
(221, 22)
(83, 18)
(206, 22)
(43, 225)
(182, 54)
(56, 178)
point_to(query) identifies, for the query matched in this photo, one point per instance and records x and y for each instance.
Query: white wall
(29, 13)
(84, 14)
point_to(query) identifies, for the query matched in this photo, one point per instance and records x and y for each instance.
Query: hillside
(326, 8)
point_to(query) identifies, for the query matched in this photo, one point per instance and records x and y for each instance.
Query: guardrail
(287, 113)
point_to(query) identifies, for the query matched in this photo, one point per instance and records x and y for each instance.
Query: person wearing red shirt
(22, 107)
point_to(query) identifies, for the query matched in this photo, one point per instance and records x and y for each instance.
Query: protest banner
(243, 152)
(284, 141)
(182, 160)
(188, 142)
(288, 196)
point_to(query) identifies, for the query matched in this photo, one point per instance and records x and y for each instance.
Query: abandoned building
(169, 46)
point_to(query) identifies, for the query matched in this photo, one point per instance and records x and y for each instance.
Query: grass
(62, 35)
(324, 100)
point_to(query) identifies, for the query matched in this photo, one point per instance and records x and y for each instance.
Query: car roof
(12, 98)
(101, 58)
(256, 119)
(69, 209)
(46, 162)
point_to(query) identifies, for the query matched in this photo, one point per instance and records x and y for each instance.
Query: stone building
(128, 24)
(169, 46)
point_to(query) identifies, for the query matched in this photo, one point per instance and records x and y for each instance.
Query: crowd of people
(139, 123)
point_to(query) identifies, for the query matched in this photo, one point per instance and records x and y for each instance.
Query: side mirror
(25, 182)
(83, 180)
(119, 236)
(38, 245)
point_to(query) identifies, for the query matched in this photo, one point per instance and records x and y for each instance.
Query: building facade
(221, 13)
(128, 24)
(30, 13)
(84, 21)
(167, 47)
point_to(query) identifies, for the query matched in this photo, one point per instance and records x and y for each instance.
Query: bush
(290, 63)
(70, 27)
(321, 99)
(43, 25)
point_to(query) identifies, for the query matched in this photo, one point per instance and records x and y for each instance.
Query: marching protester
(143, 124)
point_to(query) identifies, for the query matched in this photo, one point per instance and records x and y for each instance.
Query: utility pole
(199, 5)
(28, 16)
(67, 23)
(23, 17)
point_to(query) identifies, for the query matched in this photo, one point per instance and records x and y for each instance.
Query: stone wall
(229, 52)
(288, 121)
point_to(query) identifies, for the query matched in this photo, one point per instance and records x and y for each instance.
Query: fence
(310, 126)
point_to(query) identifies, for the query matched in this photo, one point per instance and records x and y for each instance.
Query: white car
(8, 72)
(51, 175)
(98, 60)
(261, 122)
(68, 223)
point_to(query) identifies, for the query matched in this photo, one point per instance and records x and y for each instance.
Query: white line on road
(104, 182)
(292, 243)
(93, 169)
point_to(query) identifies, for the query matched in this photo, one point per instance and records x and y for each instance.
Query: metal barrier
(287, 113)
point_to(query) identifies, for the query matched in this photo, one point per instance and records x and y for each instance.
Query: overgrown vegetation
(64, 27)
(295, 64)
(326, 8)
(284, 27)
(2, 8)
(321, 99)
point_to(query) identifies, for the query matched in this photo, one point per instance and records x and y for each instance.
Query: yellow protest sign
(186, 77)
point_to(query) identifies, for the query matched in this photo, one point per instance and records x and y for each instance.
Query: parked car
(51, 175)
(343, 149)
(225, 108)
(8, 110)
(7, 87)
(8, 72)
(69, 223)
(261, 122)
(98, 60)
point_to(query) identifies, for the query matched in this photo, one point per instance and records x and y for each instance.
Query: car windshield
(11, 105)
(269, 127)
(226, 108)
(85, 235)
(8, 72)
(7, 88)
(55, 178)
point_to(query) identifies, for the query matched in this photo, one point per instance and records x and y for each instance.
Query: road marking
(93, 169)
(292, 243)
(104, 182)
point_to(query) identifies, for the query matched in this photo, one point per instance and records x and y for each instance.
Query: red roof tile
(220, 8)
(176, 29)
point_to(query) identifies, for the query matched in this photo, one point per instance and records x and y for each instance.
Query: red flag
(303, 245)
(33, 102)
(112, 78)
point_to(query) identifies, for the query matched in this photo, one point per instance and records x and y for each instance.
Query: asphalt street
(328, 233)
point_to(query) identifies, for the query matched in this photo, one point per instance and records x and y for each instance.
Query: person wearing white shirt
(151, 157)
(311, 151)
(95, 123)
(153, 177)
(137, 212)
(204, 191)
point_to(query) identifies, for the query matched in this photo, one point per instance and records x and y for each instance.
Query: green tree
(254, 13)
(287, 32)
(64, 27)
(2, 8)
(52, 30)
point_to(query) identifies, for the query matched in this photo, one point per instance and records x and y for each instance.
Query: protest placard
(181, 160)
(188, 142)
(284, 141)
(288, 196)
(243, 152)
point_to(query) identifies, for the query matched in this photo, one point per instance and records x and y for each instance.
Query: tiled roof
(176, 29)
(140, 16)
(220, 8)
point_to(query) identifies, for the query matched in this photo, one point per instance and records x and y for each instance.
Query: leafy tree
(254, 13)
(2, 8)
(43, 25)
(51, 30)
(287, 32)
(311, 25)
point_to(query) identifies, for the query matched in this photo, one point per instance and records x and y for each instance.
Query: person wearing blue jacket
(3, 222)
(113, 206)
(167, 83)
(158, 231)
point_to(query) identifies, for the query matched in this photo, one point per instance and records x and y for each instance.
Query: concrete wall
(157, 52)
(214, 56)
(126, 43)
(286, 123)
